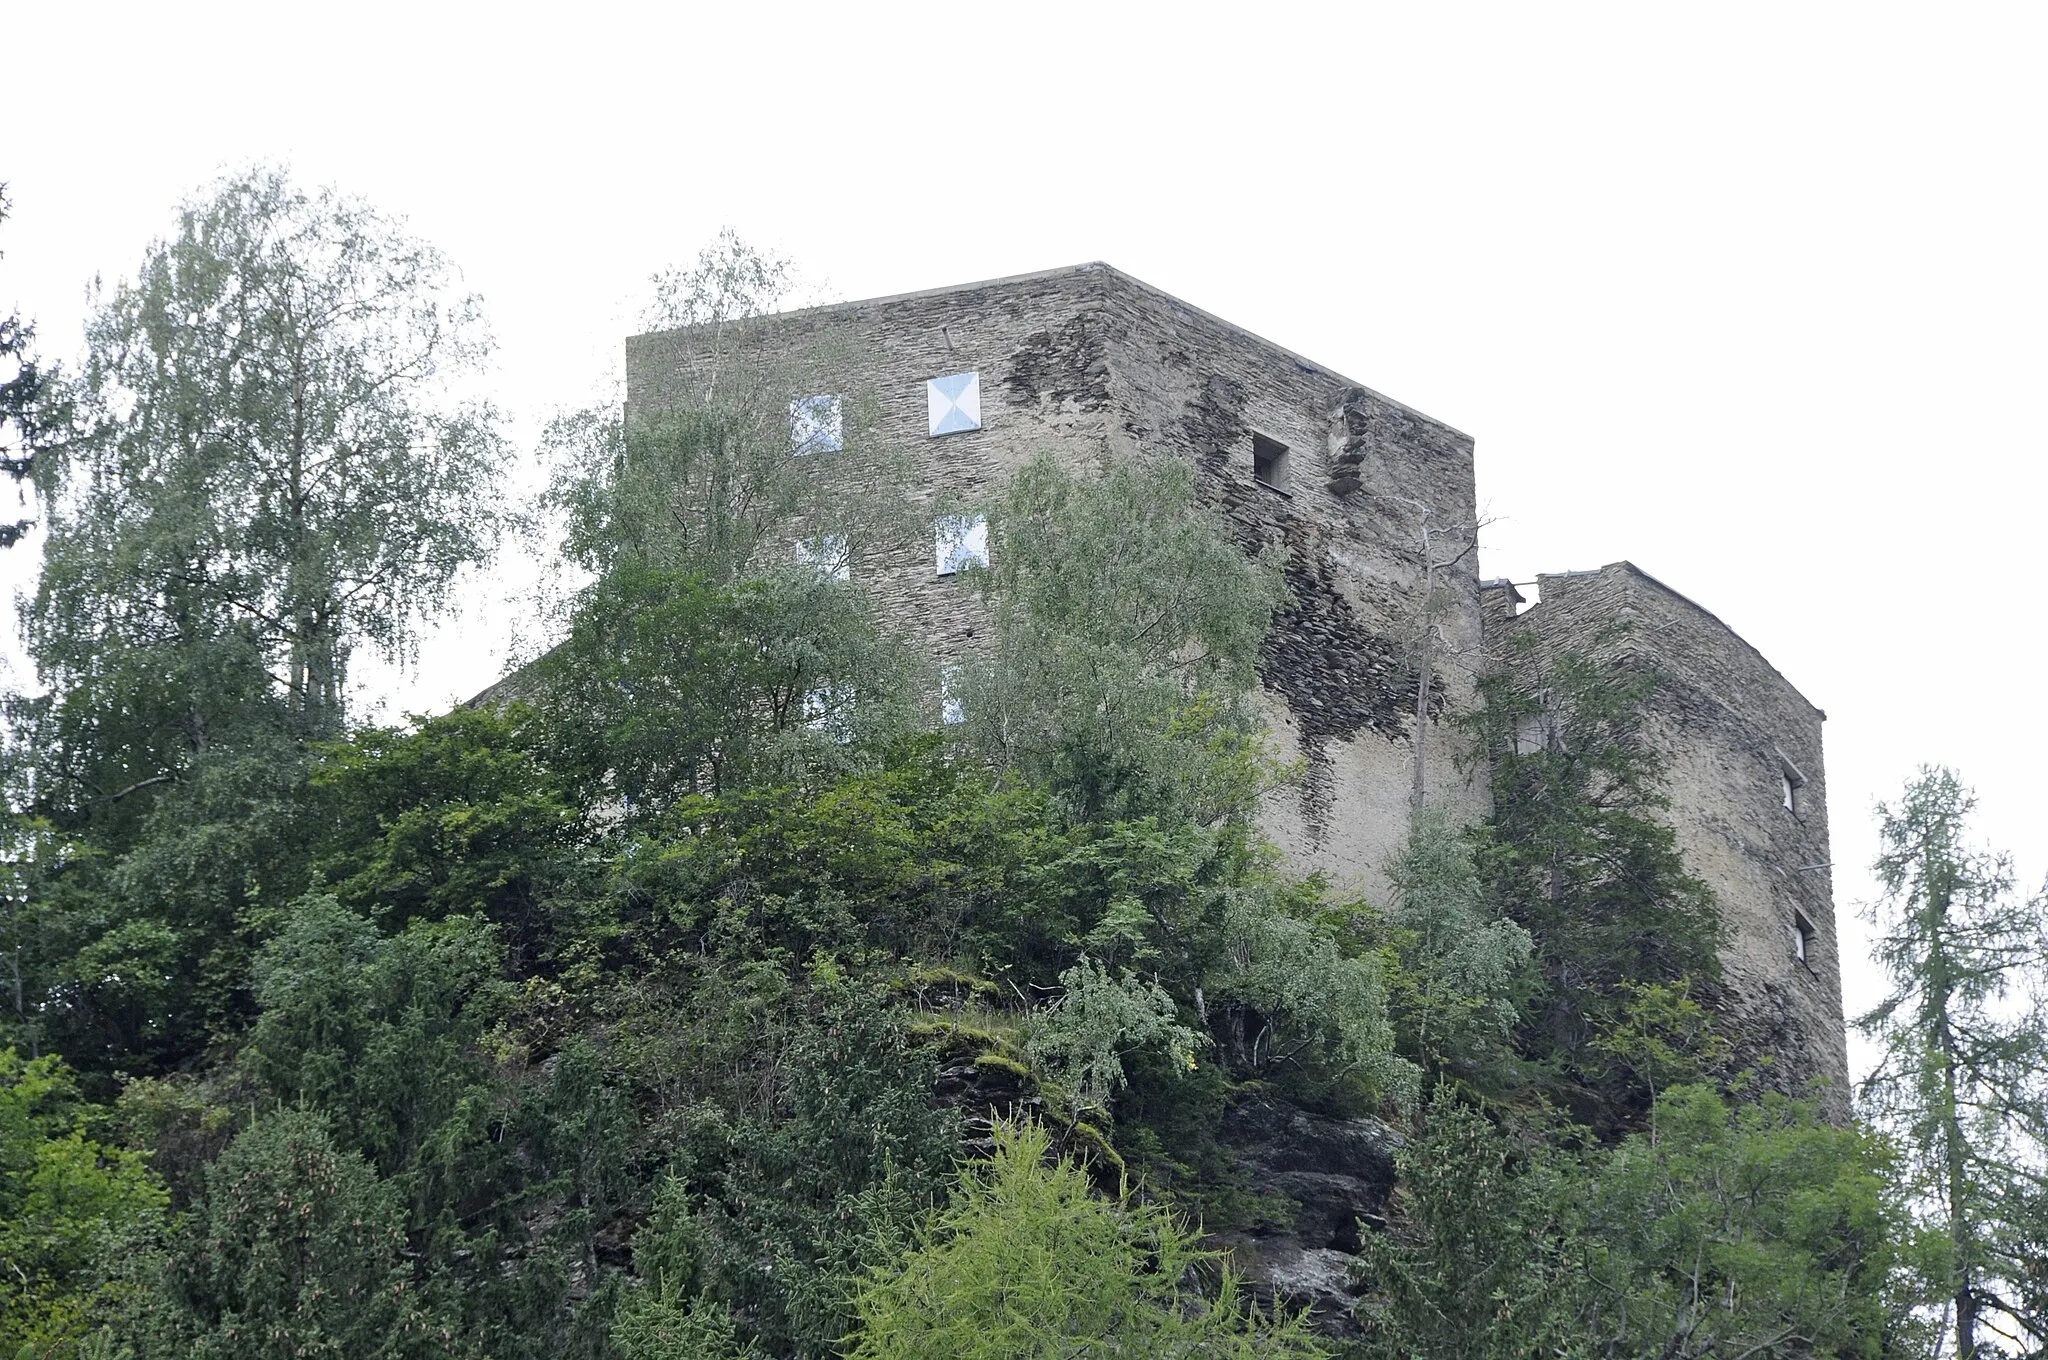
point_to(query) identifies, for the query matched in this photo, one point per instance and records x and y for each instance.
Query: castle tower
(1373, 502)
(1088, 363)
(1748, 790)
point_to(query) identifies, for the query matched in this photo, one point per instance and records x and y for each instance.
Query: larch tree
(1963, 1081)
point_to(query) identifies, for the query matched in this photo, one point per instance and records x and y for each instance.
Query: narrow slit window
(815, 425)
(1269, 462)
(1790, 783)
(962, 541)
(951, 709)
(1802, 937)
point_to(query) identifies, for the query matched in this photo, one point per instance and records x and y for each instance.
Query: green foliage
(1126, 635)
(458, 815)
(1083, 1037)
(1963, 1077)
(296, 1251)
(381, 1034)
(669, 687)
(920, 857)
(273, 469)
(1726, 1229)
(276, 468)
(30, 413)
(1463, 968)
(65, 1197)
(1581, 857)
(802, 1147)
(1027, 1262)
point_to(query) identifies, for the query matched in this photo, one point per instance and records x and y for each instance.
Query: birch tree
(276, 454)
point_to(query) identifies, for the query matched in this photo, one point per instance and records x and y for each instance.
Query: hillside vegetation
(708, 993)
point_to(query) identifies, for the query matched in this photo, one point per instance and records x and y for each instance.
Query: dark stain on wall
(1064, 365)
(1214, 423)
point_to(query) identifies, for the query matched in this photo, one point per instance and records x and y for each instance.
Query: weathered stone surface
(1092, 364)
(1340, 1172)
(1729, 725)
(1088, 363)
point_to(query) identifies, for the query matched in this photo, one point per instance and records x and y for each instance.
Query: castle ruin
(1374, 504)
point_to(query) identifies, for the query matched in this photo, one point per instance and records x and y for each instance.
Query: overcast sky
(1752, 295)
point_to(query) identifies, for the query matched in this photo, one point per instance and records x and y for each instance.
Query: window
(814, 425)
(829, 709)
(1269, 462)
(1790, 782)
(961, 541)
(951, 710)
(1802, 937)
(953, 404)
(1536, 730)
(827, 553)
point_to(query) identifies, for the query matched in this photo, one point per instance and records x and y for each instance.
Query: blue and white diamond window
(962, 542)
(826, 554)
(953, 403)
(814, 425)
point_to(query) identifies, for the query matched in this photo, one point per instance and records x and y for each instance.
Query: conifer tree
(1963, 1080)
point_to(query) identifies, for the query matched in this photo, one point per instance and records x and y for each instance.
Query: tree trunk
(1955, 1175)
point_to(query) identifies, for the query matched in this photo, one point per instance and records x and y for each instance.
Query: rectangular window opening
(961, 541)
(1269, 462)
(1790, 782)
(815, 425)
(1802, 937)
(827, 555)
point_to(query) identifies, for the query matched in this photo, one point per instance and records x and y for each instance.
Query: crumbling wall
(1088, 363)
(1339, 668)
(1728, 726)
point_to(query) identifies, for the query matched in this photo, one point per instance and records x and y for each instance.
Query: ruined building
(1368, 497)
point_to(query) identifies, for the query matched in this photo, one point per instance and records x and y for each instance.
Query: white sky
(1750, 294)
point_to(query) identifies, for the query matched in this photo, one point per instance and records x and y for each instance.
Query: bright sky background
(1752, 295)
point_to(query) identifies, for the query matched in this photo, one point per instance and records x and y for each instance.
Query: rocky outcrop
(1340, 1172)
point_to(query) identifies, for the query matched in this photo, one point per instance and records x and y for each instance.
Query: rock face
(1341, 1172)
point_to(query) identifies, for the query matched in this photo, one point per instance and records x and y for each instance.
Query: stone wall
(1088, 363)
(1733, 730)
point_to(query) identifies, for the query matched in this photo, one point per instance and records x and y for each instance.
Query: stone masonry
(1748, 797)
(1089, 364)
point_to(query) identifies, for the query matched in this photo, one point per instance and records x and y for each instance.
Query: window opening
(951, 710)
(1536, 731)
(1269, 462)
(827, 553)
(961, 541)
(815, 425)
(1802, 937)
(1790, 782)
(953, 403)
(828, 708)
